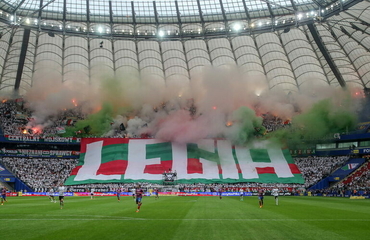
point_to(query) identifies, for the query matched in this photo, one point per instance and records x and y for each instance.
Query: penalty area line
(180, 219)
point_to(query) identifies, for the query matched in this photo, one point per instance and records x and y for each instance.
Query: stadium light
(100, 29)
(161, 33)
(28, 21)
(237, 26)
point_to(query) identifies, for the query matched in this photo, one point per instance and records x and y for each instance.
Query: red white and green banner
(104, 160)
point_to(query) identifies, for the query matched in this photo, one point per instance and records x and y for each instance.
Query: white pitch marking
(149, 219)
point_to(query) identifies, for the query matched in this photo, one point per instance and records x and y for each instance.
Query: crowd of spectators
(315, 168)
(17, 119)
(359, 180)
(273, 123)
(40, 173)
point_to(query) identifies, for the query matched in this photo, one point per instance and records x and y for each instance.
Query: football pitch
(185, 218)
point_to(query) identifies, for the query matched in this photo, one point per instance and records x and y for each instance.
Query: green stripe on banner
(264, 178)
(71, 181)
(114, 152)
(287, 156)
(195, 152)
(260, 155)
(81, 160)
(161, 150)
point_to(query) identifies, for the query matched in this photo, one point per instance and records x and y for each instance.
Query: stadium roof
(291, 42)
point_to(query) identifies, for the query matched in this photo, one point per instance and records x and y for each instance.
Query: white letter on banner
(228, 165)
(210, 168)
(180, 160)
(248, 167)
(92, 163)
(137, 160)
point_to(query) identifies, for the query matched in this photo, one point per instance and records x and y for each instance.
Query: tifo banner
(37, 153)
(27, 138)
(207, 161)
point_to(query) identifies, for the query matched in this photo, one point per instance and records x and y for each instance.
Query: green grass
(185, 218)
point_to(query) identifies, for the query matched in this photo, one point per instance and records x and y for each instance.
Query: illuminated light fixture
(76, 29)
(323, 11)
(168, 32)
(28, 21)
(161, 33)
(252, 25)
(299, 16)
(260, 24)
(35, 21)
(11, 18)
(60, 27)
(237, 27)
(312, 13)
(276, 22)
(100, 29)
(283, 21)
(68, 26)
(268, 23)
(221, 29)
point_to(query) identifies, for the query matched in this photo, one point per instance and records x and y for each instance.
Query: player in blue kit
(3, 196)
(156, 193)
(139, 195)
(220, 190)
(260, 197)
(119, 192)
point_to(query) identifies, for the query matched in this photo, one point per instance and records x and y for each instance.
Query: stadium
(185, 119)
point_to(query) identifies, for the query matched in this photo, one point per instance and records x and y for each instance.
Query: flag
(104, 160)
(87, 129)
(349, 166)
(1, 169)
(60, 130)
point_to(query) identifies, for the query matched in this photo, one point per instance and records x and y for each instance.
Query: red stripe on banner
(75, 170)
(194, 166)
(106, 142)
(164, 166)
(116, 167)
(219, 169)
(294, 169)
(265, 170)
(238, 167)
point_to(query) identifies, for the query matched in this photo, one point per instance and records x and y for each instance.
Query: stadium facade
(292, 43)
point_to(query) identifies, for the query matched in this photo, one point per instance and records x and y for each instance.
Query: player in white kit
(275, 193)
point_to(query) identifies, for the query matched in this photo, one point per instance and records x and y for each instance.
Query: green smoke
(322, 120)
(95, 124)
(246, 126)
